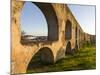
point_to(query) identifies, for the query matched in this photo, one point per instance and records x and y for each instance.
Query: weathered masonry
(64, 36)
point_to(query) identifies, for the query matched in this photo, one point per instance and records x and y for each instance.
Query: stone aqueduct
(64, 35)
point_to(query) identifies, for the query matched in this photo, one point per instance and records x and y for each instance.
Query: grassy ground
(83, 60)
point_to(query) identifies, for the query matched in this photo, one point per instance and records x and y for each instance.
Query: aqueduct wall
(64, 35)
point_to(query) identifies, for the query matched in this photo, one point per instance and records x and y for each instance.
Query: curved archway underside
(43, 57)
(51, 18)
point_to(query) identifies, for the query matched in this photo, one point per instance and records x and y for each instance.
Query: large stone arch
(68, 30)
(42, 57)
(51, 19)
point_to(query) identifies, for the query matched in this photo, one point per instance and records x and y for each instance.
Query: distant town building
(34, 38)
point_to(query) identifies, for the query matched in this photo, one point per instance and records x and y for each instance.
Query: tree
(23, 33)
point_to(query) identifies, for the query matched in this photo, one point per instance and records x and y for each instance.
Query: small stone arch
(76, 46)
(79, 42)
(68, 30)
(68, 48)
(43, 57)
(76, 32)
(76, 39)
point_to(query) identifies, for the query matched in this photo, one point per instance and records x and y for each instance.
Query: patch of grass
(85, 59)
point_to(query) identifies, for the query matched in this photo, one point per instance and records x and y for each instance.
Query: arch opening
(79, 39)
(68, 30)
(68, 48)
(38, 20)
(52, 21)
(76, 42)
(42, 58)
(76, 46)
(76, 33)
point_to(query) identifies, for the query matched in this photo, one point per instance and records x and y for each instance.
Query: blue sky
(85, 15)
(33, 21)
